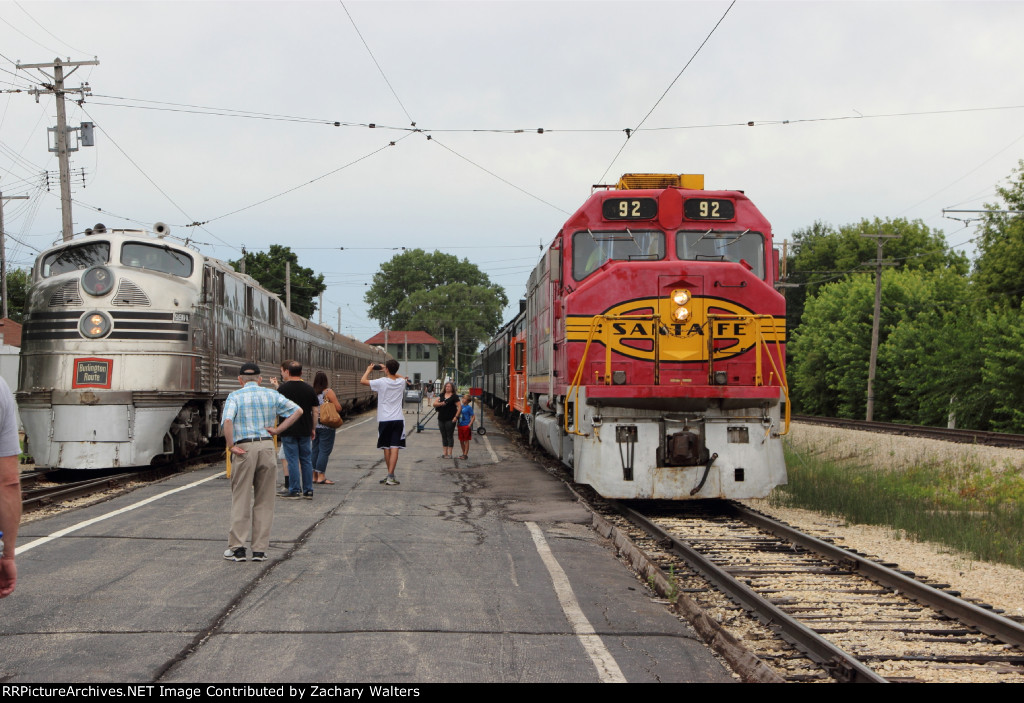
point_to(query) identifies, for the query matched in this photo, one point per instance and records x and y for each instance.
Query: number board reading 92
(629, 209)
(709, 209)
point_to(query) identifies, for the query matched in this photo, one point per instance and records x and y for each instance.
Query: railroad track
(995, 439)
(821, 611)
(40, 497)
(35, 497)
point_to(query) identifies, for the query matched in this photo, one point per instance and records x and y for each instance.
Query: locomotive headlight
(680, 314)
(681, 297)
(94, 325)
(98, 280)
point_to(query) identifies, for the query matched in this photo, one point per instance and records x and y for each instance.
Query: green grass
(970, 508)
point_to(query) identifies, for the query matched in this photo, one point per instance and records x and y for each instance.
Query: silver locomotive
(131, 342)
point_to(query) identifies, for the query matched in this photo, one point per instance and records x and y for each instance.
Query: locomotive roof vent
(641, 181)
(98, 228)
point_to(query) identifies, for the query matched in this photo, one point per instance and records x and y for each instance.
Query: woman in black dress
(447, 405)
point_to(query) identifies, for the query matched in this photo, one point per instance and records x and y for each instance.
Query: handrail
(759, 339)
(574, 386)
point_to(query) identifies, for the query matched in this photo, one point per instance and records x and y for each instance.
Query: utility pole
(874, 324)
(61, 130)
(456, 358)
(3, 249)
(288, 285)
(320, 310)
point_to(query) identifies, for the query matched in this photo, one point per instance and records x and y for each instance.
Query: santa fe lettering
(723, 328)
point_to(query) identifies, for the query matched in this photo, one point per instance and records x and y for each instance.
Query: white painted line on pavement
(81, 525)
(362, 422)
(22, 548)
(494, 456)
(607, 669)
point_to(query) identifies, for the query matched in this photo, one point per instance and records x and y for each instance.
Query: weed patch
(964, 505)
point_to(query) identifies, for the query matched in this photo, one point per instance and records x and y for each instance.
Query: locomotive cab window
(708, 245)
(75, 258)
(156, 258)
(591, 250)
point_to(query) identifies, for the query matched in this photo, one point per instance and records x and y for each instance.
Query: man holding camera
(390, 392)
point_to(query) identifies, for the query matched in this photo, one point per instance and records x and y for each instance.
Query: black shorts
(391, 434)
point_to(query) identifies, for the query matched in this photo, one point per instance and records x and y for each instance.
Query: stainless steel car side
(131, 342)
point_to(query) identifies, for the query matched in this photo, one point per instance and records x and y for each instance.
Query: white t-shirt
(390, 394)
(9, 445)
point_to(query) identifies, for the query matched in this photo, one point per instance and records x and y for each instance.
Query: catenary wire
(162, 192)
(41, 26)
(99, 126)
(248, 114)
(28, 37)
(973, 170)
(658, 102)
(376, 63)
(302, 185)
(503, 180)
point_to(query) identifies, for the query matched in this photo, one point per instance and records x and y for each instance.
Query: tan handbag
(329, 417)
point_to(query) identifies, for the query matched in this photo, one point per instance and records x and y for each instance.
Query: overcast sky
(860, 109)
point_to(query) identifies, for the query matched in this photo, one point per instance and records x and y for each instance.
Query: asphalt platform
(478, 570)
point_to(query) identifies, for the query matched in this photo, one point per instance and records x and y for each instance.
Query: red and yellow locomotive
(652, 345)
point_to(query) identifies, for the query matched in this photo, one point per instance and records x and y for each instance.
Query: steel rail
(986, 621)
(963, 436)
(38, 497)
(34, 498)
(842, 665)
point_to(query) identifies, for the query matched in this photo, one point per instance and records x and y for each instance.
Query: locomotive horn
(161, 229)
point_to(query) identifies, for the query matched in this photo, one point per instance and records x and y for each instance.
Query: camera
(377, 367)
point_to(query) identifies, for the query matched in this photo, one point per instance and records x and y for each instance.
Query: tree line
(951, 333)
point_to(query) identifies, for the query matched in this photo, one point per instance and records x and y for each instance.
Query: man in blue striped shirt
(248, 420)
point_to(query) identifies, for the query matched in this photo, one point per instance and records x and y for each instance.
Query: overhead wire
(503, 180)
(228, 112)
(19, 160)
(515, 131)
(629, 133)
(41, 26)
(973, 170)
(28, 37)
(99, 126)
(376, 63)
(302, 185)
(249, 114)
(154, 183)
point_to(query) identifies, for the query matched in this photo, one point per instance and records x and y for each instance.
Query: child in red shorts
(466, 420)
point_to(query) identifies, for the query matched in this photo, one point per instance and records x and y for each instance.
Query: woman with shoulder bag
(323, 443)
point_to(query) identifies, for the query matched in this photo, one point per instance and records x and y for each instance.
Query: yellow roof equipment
(642, 181)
